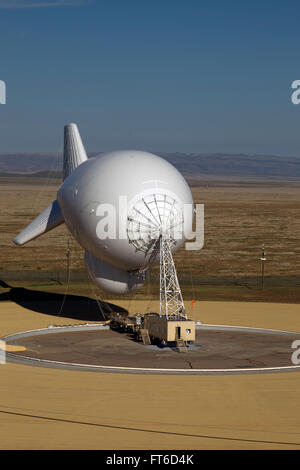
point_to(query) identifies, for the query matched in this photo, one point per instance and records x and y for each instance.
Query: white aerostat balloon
(117, 205)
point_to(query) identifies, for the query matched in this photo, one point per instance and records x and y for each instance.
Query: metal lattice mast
(171, 303)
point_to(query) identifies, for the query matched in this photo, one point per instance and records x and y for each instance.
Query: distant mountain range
(215, 165)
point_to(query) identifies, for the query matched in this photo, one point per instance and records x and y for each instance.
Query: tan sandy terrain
(62, 409)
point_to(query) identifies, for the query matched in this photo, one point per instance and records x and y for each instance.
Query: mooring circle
(218, 349)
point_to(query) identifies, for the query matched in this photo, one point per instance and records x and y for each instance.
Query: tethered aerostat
(126, 209)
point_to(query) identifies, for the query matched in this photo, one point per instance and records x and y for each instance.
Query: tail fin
(74, 152)
(47, 220)
(74, 155)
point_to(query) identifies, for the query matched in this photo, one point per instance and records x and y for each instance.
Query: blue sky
(168, 75)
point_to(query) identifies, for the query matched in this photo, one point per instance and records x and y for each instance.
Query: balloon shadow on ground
(63, 306)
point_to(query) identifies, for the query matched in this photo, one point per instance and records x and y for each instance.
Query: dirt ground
(239, 216)
(62, 409)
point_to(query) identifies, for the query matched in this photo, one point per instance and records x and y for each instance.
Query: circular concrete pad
(215, 348)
